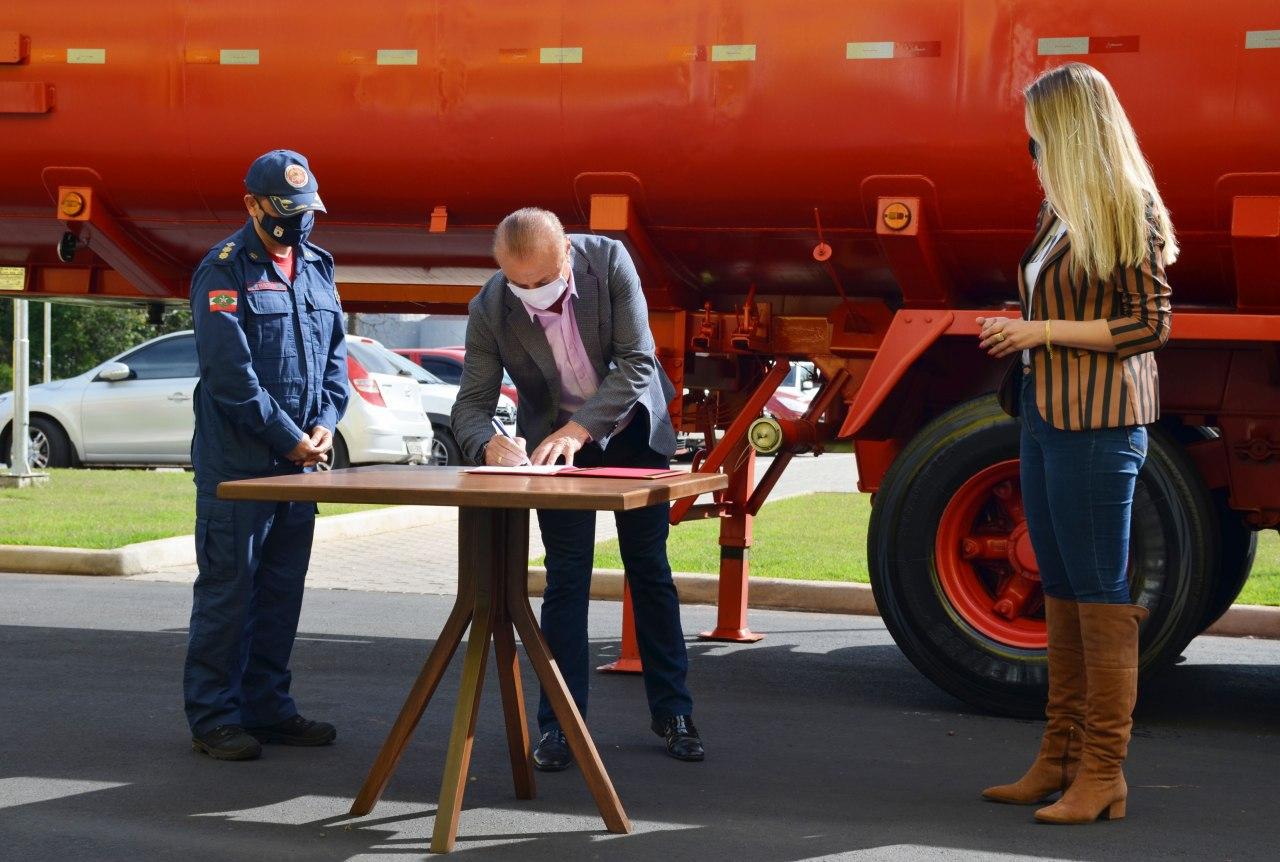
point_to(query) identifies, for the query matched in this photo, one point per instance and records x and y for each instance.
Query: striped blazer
(1080, 389)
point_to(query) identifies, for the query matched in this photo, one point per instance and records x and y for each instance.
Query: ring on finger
(999, 336)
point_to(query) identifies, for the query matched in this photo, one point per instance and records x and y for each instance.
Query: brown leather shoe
(1055, 767)
(1110, 635)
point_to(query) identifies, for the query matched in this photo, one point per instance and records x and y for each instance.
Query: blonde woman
(1095, 305)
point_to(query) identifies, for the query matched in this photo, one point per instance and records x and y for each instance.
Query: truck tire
(1237, 541)
(938, 569)
(445, 451)
(1239, 546)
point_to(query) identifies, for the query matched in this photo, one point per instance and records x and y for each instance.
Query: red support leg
(735, 540)
(629, 660)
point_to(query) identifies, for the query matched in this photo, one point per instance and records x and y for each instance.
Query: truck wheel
(445, 451)
(1238, 543)
(1239, 546)
(955, 577)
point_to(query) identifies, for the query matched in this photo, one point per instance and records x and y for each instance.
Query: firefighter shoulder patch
(223, 300)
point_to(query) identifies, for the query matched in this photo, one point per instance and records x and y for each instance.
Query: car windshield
(408, 367)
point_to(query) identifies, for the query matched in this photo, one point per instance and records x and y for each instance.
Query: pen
(497, 426)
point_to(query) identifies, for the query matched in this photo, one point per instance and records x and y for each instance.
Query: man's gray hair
(527, 232)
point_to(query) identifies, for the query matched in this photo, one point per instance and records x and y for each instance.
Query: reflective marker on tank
(891, 50)
(868, 51)
(1254, 39)
(1062, 45)
(1065, 45)
(238, 56)
(397, 57)
(560, 55)
(94, 56)
(733, 53)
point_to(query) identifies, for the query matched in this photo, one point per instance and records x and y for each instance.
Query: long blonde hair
(1093, 171)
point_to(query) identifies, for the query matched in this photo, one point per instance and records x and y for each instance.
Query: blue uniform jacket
(272, 358)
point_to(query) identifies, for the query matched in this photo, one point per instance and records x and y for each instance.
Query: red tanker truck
(845, 183)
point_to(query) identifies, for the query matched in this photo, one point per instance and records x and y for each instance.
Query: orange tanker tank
(844, 182)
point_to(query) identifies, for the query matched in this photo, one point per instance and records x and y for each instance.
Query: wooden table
(493, 572)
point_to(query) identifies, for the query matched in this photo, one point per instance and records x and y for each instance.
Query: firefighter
(272, 358)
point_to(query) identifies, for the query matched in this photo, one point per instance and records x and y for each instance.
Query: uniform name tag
(223, 300)
(265, 285)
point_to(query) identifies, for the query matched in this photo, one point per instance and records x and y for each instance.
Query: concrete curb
(829, 597)
(178, 551)
(780, 594)
(832, 597)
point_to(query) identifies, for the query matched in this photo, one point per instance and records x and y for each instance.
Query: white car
(135, 409)
(437, 402)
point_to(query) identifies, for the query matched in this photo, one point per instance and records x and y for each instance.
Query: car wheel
(445, 451)
(341, 456)
(48, 447)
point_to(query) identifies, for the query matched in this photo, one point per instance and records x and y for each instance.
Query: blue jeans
(569, 537)
(1077, 492)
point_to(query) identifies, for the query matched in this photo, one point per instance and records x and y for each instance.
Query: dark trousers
(1077, 492)
(252, 559)
(569, 538)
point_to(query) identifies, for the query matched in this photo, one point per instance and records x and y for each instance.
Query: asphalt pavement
(823, 743)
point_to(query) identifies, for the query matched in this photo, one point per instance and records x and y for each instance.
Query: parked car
(437, 402)
(792, 398)
(135, 409)
(446, 363)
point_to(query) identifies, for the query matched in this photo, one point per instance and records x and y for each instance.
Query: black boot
(296, 731)
(227, 742)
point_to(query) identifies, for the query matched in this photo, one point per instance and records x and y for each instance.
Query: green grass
(817, 537)
(1263, 586)
(106, 509)
(822, 537)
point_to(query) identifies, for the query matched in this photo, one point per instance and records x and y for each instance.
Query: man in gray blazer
(566, 317)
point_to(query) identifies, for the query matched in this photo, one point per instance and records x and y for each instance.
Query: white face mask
(543, 297)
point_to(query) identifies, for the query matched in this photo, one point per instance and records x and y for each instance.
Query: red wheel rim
(985, 563)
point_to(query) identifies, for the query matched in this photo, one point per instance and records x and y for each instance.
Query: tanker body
(844, 183)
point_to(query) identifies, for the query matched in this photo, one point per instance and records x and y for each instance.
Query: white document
(527, 469)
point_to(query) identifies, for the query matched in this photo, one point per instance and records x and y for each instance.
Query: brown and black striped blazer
(1084, 389)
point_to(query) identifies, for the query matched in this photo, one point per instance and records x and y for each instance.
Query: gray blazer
(614, 322)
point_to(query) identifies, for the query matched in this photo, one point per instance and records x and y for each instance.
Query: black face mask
(288, 231)
(1033, 149)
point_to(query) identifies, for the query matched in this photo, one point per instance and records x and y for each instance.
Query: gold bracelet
(1048, 339)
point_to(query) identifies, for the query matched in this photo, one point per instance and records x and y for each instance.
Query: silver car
(135, 409)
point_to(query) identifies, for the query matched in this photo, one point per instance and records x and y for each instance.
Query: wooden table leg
(575, 729)
(419, 695)
(504, 649)
(479, 550)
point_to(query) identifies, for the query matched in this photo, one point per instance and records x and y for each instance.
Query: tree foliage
(83, 335)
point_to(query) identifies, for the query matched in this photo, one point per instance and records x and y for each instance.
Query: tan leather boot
(1060, 747)
(1110, 634)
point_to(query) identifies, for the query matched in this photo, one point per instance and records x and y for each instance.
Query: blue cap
(284, 178)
